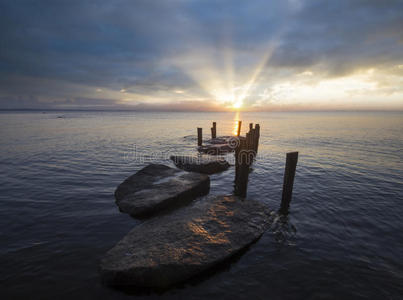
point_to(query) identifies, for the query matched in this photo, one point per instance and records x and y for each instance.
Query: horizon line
(199, 111)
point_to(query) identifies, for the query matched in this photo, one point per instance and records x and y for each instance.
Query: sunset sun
(237, 104)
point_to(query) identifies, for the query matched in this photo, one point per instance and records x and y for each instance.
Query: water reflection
(344, 190)
(236, 123)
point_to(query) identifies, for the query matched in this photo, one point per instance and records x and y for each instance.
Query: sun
(237, 105)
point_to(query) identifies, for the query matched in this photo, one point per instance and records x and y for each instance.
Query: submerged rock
(205, 165)
(157, 187)
(167, 250)
(216, 149)
(221, 140)
(220, 145)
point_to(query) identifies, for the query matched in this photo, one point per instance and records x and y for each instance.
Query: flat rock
(205, 165)
(220, 145)
(175, 247)
(216, 149)
(220, 140)
(157, 187)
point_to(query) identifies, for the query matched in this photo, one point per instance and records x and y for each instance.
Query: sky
(205, 55)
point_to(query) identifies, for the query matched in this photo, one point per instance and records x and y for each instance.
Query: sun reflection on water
(236, 123)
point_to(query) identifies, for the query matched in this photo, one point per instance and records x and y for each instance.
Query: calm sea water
(344, 237)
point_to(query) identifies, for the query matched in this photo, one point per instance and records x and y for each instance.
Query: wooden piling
(199, 136)
(239, 128)
(237, 151)
(214, 130)
(244, 156)
(251, 140)
(247, 139)
(289, 174)
(242, 170)
(257, 137)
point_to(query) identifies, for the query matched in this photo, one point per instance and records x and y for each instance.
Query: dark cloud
(343, 35)
(61, 49)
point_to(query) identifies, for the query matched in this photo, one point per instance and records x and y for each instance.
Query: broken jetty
(187, 240)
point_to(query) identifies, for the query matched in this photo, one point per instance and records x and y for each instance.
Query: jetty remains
(174, 247)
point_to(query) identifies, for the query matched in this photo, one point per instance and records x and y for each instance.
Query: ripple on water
(341, 240)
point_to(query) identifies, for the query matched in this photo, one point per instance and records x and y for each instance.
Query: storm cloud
(184, 55)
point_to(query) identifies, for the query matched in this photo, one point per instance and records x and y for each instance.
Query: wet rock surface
(216, 149)
(175, 247)
(157, 187)
(205, 165)
(221, 140)
(220, 145)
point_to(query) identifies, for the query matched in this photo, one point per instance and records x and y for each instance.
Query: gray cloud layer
(56, 53)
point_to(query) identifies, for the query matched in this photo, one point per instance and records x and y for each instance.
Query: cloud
(218, 52)
(339, 37)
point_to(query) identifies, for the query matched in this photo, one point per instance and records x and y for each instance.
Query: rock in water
(167, 250)
(222, 140)
(220, 145)
(157, 187)
(205, 165)
(216, 149)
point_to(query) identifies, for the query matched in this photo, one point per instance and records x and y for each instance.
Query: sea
(343, 237)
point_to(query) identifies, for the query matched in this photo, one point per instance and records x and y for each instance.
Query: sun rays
(219, 77)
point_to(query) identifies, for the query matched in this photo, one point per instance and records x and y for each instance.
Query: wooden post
(239, 128)
(257, 137)
(247, 139)
(237, 155)
(289, 174)
(241, 144)
(214, 130)
(199, 136)
(242, 172)
(252, 140)
(250, 126)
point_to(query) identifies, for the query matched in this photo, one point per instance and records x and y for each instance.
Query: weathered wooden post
(236, 153)
(242, 171)
(247, 139)
(252, 139)
(289, 174)
(199, 136)
(239, 128)
(250, 126)
(214, 130)
(257, 137)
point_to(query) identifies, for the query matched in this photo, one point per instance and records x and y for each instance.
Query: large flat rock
(157, 187)
(167, 250)
(205, 165)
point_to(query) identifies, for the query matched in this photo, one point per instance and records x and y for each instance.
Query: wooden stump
(289, 174)
(199, 136)
(214, 130)
(239, 128)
